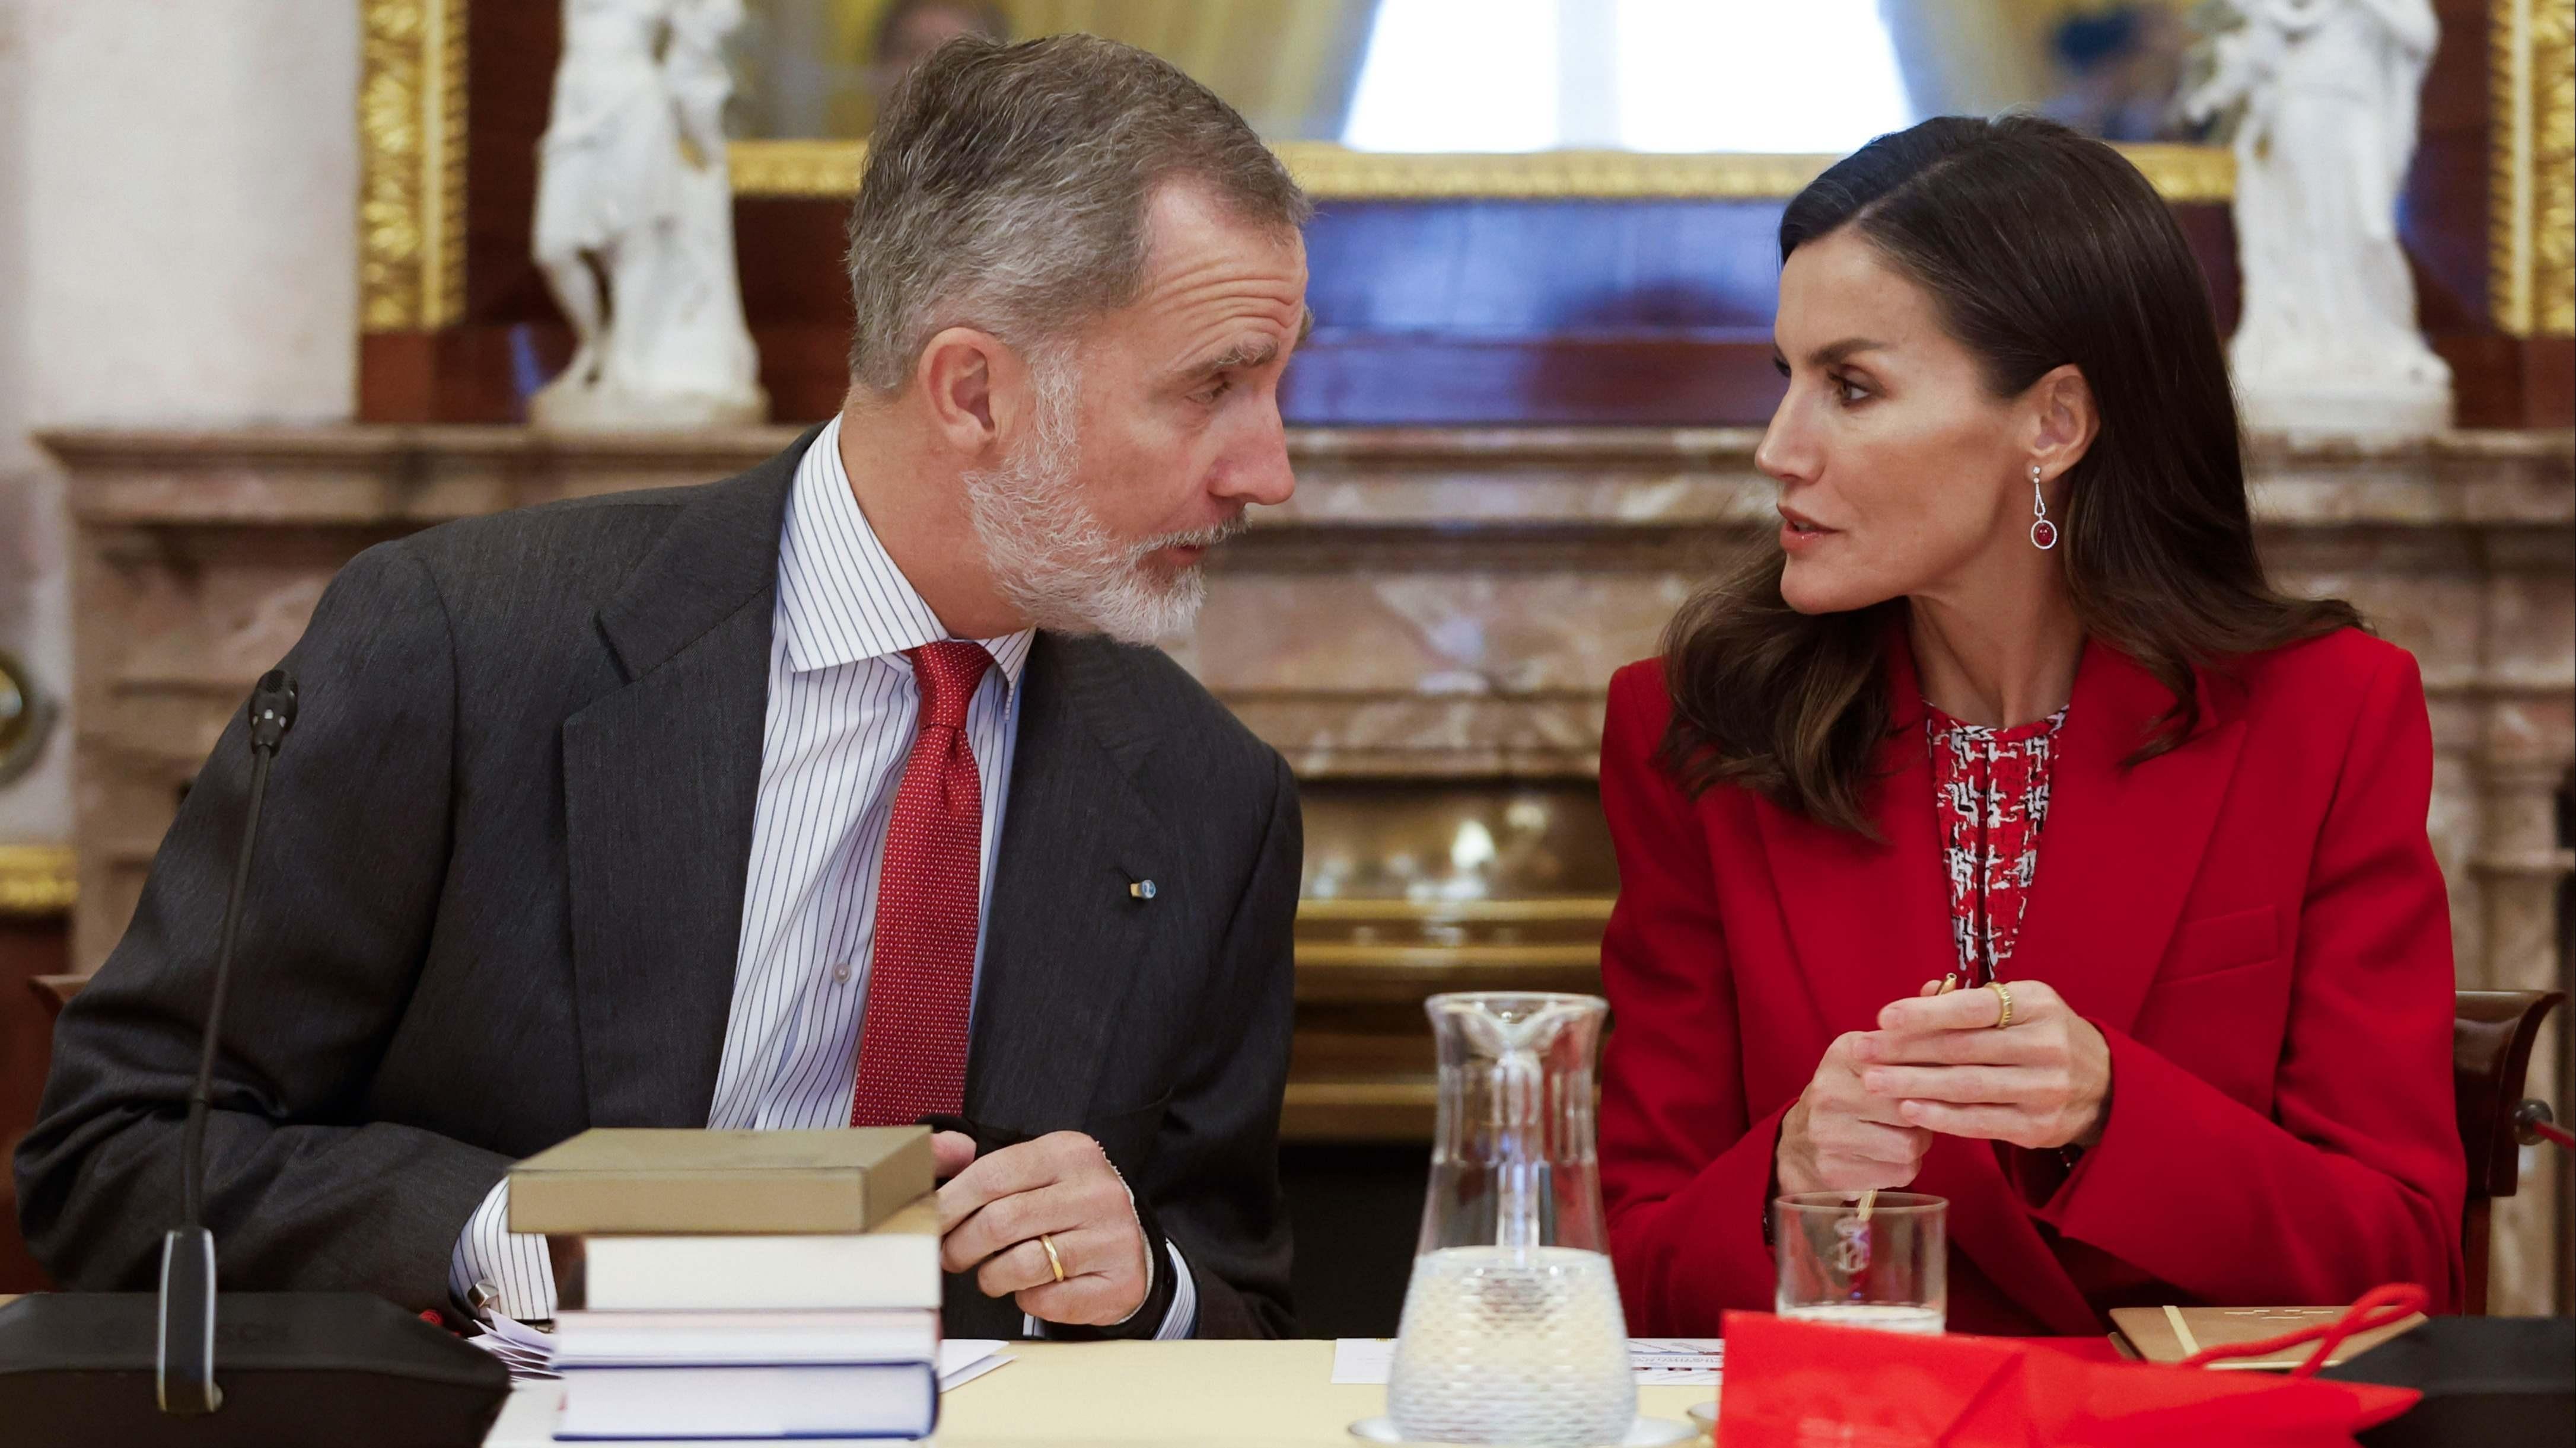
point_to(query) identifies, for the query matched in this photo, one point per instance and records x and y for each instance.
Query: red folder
(1809, 1385)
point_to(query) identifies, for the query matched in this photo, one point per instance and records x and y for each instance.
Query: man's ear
(972, 383)
(2064, 419)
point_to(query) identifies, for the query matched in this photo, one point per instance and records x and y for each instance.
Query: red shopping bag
(1808, 1385)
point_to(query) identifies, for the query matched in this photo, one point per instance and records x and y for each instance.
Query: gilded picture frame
(2531, 181)
(412, 99)
(411, 164)
(1337, 173)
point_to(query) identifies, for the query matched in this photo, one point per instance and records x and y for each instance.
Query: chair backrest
(2492, 1034)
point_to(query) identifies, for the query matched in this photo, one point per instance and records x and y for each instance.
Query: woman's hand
(1842, 1138)
(2044, 1081)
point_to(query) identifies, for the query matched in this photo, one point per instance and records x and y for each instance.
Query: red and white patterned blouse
(1992, 790)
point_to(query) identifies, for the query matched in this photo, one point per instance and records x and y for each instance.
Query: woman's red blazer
(2254, 920)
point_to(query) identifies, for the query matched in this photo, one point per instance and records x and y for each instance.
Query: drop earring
(2043, 533)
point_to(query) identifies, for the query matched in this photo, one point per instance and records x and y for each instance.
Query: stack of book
(740, 1285)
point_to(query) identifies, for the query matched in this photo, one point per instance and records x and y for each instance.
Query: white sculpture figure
(634, 226)
(2328, 342)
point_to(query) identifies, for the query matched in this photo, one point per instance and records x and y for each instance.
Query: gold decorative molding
(37, 880)
(2185, 173)
(1348, 1111)
(1521, 910)
(1338, 173)
(831, 169)
(1449, 959)
(2531, 140)
(2553, 169)
(817, 169)
(411, 150)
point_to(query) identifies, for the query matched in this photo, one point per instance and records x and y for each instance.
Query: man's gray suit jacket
(499, 892)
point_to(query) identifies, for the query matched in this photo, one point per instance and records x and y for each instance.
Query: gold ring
(1055, 1264)
(2005, 995)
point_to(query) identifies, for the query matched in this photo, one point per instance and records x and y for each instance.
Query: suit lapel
(661, 783)
(1869, 920)
(1064, 941)
(2120, 849)
(2123, 843)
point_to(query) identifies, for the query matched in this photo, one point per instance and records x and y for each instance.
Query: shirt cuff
(1183, 1318)
(509, 1268)
(1179, 1320)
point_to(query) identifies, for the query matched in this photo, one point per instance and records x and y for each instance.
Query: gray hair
(1006, 190)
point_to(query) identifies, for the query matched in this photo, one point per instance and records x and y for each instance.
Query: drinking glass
(1885, 1268)
(1512, 1332)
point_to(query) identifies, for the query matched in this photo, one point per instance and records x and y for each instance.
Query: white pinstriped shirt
(841, 718)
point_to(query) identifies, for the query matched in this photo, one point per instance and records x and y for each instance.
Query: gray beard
(1053, 559)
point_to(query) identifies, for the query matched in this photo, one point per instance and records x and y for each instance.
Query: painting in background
(817, 68)
(1531, 75)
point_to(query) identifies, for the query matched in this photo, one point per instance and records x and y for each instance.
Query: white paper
(964, 1359)
(1677, 1362)
(526, 1350)
(1659, 1362)
(1362, 1359)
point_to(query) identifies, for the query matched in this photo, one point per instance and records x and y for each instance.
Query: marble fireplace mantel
(1425, 631)
(1604, 477)
(1506, 571)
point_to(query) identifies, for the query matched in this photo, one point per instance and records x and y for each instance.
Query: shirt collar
(841, 598)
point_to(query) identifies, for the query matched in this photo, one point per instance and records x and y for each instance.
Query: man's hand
(2041, 1082)
(1840, 1138)
(950, 1153)
(992, 1210)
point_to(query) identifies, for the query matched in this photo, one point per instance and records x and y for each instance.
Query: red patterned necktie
(921, 970)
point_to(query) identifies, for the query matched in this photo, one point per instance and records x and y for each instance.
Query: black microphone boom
(184, 1348)
(82, 1369)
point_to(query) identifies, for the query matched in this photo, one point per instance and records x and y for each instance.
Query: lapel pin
(1140, 889)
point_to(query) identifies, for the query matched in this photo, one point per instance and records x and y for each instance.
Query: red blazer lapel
(2123, 843)
(1868, 920)
(2121, 848)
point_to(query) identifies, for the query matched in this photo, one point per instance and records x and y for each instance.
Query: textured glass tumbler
(1888, 1269)
(1512, 1332)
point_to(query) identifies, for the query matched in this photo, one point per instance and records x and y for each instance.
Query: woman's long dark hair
(2039, 248)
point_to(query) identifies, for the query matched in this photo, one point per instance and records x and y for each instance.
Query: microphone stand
(184, 1373)
(303, 1369)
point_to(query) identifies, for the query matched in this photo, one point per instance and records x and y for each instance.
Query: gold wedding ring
(2005, 995)
(1055, 1264)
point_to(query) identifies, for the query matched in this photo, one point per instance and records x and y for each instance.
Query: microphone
(185, 1344)
(317, 1368)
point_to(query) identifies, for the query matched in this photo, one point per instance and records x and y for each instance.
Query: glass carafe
(1512, 1331)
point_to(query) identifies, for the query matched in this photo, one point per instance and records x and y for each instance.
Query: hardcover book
(735, 1183)
(894, 1267)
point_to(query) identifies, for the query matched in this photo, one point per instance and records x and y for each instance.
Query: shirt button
(841, 973)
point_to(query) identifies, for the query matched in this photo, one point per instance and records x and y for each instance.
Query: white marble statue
(2328, 342)
(634, 227)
